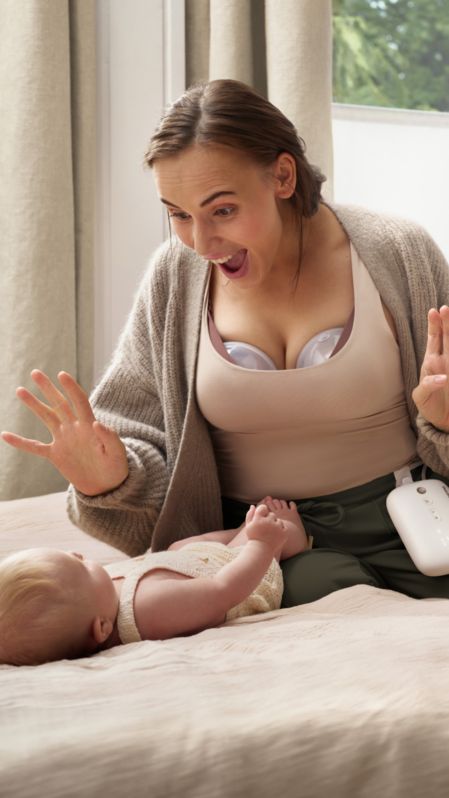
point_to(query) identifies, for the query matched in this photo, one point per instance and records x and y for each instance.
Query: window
(392, 53)
(390, 112)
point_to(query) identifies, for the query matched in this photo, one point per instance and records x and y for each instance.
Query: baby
(57, 605)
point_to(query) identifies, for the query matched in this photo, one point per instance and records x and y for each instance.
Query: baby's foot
(287, 512)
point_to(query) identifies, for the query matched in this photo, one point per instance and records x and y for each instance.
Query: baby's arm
(220, 536)
(172, 607)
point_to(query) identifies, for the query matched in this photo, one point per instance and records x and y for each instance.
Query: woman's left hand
(431, 396)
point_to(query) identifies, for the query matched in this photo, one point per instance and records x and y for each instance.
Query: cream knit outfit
(199, 559)
(148, 392)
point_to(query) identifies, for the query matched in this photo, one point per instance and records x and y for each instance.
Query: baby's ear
(101, 629)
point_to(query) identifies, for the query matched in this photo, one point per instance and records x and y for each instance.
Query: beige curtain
(281, 47)
(47, 107)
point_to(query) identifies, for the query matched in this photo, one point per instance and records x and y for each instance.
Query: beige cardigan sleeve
(433, 444)
(128, 399)
(148, 396)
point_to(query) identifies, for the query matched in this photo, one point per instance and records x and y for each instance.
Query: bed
(347, 696)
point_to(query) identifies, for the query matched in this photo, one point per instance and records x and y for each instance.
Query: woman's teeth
(232, 264)
(222, 260)
(236, 262)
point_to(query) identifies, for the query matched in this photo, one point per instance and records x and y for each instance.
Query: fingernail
(439, 378)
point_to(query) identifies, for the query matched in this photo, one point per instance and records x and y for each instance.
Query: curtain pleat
(83, 113)
(197, 25)
(230, 49)
(299, 71)
(46, 219)
(281, 47)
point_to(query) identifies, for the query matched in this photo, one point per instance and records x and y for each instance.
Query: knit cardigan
(148, 392)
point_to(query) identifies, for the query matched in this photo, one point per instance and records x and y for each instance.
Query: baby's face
(91, 581)
(88, 580)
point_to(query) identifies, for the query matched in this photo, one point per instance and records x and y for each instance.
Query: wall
(394, 161)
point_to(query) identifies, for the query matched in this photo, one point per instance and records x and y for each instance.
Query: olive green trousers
(354, 543)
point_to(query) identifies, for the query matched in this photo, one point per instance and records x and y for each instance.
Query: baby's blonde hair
(38, 611)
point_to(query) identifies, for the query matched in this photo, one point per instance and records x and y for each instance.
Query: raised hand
(87, 453)
(431, 396)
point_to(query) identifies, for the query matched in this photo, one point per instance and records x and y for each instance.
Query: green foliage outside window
(393, 53)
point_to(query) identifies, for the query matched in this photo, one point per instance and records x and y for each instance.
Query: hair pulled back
(230, 113)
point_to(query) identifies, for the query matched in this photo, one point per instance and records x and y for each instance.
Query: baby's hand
(262, 524)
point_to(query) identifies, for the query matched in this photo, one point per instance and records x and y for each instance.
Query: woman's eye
(228, 211)
(180, 215)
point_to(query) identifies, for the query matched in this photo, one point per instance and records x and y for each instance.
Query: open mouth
(236, 265)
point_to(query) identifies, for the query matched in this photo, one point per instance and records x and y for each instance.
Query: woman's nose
(204, 240)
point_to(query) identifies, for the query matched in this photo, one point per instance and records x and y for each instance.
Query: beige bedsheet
(43, 521)
(346, 697)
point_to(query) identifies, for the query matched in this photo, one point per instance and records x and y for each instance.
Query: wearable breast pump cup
(316, 351)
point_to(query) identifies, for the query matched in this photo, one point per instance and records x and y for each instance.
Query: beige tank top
(304, 432)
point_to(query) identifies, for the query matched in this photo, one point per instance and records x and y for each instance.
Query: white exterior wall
(394, 161)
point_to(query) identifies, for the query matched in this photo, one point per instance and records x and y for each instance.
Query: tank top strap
(126, 622)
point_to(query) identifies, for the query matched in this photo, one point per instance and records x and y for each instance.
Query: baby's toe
(250, 513)
(262, 510)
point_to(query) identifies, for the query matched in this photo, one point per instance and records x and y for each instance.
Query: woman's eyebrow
(207, 201)
(167, 202)
(215, 196)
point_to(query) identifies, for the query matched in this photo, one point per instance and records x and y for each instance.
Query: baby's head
(53, 605)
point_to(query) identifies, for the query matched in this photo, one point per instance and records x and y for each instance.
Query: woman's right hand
(88, 454)
(431, 396)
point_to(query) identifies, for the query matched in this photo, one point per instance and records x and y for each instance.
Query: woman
(342, 390)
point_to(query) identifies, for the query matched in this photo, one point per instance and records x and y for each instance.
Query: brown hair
(230, 113)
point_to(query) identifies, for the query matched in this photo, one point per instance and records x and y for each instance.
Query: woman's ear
(285, 175)
(101, 629)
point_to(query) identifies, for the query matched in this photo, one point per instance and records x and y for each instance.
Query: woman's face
(224, 206)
